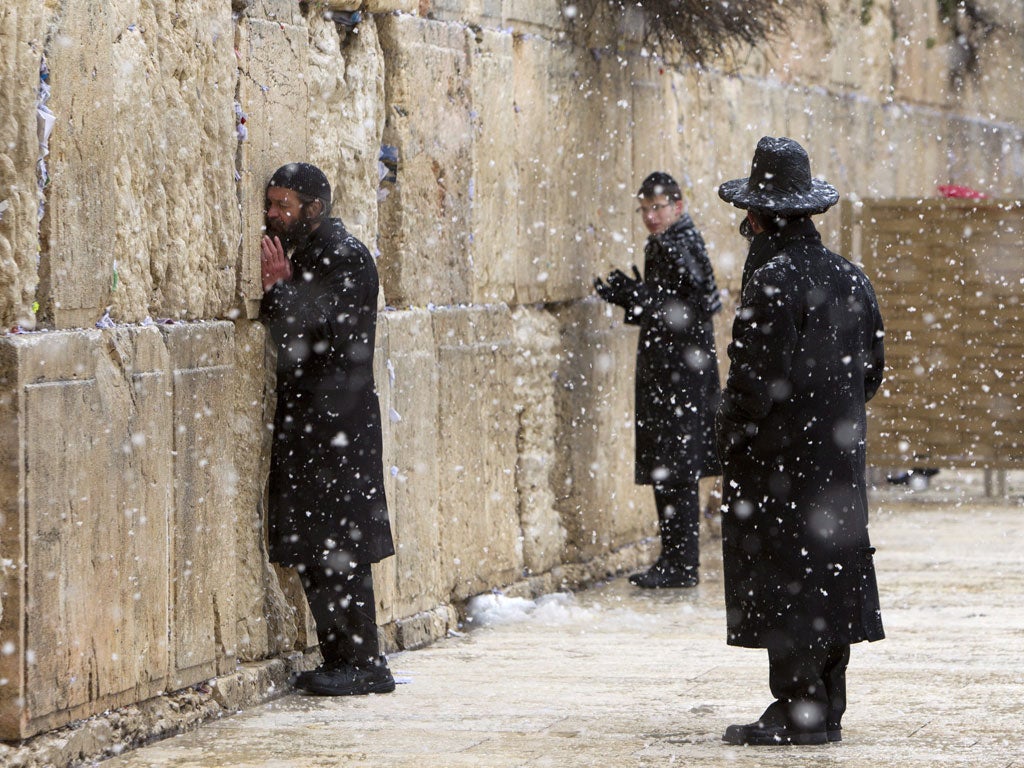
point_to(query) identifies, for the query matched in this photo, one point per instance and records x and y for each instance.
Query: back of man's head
(660, 183)
(308, 181)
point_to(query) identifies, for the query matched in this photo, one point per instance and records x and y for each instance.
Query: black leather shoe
(658, 577)
(761, 735)
(347, 680)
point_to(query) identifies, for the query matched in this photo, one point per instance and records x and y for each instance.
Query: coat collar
(765, 245)
(675, 231)
(305, 253)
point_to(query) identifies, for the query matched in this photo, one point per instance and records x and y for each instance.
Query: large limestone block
(267, 623)
(373, 6)
(475, 12)
(86, 516)
(273, 53)
(537, 361)
(656, 127)
(19, 152)
(346, 118)
(598, 159)
(558, 168)
(921, 51)
(203, 560)
(117, 518)
(911, 160)
(77, 262)
(147, 223)
(480, 534)
(994, 90)
(860, 39)
(600, 506)
(407, 378)
(532, 63)
(544, 17)
(494, 185)
(424, 216)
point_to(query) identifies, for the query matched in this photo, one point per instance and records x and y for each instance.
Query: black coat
(806, 355)
(677, 386)
(327, 502)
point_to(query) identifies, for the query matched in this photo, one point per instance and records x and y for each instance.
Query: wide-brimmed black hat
(780, 182)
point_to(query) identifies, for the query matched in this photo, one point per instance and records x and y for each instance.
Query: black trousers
(679, 522)
(342, 603)
(809, 686)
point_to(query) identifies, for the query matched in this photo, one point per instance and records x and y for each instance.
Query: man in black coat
(677, 384)
(806, 355)
(327, 512)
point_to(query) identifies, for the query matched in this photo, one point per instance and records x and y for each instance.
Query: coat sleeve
(765, 336)
(311, 315)
(874, 368)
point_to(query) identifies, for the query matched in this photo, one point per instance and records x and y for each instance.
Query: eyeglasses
(653, 208)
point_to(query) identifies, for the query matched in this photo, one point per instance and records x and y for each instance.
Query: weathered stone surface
(346, 118)
(135, 228)
(537, 361)
(600, 506)
(480, 537)
(204, 631)
(424, 236)
(494, 185)
(266, 619)
(90, 517)
(272, 50)
(112, 732)
(407, 382)
(21, 33)
(119, 481)
(557, 165)
(921, 52)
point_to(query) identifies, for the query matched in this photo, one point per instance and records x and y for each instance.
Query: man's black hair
(307, 181)
(771, 222)
(660, 183)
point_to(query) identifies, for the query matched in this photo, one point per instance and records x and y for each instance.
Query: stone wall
(135, 452)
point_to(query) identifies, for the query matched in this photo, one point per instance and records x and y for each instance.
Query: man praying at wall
(327, 513)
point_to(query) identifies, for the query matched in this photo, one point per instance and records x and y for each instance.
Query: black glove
(621, 290)
(608, 293)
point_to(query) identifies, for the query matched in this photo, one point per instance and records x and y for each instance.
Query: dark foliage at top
(702, 30)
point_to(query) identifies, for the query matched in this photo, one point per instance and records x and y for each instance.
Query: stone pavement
(619, 678)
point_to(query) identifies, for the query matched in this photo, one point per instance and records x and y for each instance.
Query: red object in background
(960, 192)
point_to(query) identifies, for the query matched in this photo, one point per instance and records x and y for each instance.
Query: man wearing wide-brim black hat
(806, 355)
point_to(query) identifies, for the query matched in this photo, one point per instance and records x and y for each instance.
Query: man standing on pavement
(806, 355)
(677, 385)
(327, 513)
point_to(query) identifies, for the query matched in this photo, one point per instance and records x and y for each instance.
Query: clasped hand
(274, 265)
(619, 289)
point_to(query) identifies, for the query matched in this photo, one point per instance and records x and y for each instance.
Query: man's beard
(291, 234)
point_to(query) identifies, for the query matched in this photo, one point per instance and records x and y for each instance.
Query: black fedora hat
(780, 182)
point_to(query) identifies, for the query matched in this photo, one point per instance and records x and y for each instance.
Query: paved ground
(618, 678)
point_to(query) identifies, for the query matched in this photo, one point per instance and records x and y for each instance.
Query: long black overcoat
(326, 496)
(677, 386)
(806, 355)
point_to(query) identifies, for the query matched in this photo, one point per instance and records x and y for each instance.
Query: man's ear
(315, 209)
